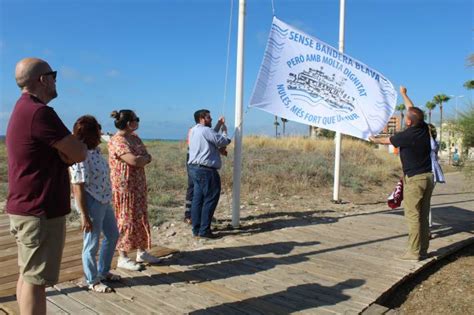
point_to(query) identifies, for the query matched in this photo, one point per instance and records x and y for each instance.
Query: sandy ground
(447, 288)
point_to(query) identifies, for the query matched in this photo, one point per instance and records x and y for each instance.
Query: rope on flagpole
(224, 164)
(227, 59)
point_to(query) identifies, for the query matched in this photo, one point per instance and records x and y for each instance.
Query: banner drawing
(308, 81)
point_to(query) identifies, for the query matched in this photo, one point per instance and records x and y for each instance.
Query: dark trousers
(207, 190)
(189, 195)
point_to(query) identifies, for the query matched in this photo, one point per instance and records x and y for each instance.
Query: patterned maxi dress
(129, 193)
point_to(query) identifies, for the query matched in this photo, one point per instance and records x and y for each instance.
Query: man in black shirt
(414, 144)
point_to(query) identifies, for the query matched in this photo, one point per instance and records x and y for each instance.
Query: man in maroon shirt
(39, 148)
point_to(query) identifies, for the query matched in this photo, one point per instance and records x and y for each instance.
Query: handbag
(395, 199)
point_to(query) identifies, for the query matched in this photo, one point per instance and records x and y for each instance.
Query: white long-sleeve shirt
(204, 144)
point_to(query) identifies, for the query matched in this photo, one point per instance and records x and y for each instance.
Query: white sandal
(99, 287)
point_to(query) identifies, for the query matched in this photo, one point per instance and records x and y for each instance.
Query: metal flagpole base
(232, 227)
(339, 202)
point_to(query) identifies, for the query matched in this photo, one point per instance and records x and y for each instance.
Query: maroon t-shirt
(38, 180)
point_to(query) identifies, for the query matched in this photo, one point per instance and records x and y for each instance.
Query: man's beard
(53, 94)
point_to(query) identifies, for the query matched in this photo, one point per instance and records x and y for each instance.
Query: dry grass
(271, 167)
(298, 165)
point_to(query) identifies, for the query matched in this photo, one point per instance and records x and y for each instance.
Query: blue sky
(165, 59)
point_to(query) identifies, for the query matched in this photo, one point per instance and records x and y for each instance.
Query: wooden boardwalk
(325, 266)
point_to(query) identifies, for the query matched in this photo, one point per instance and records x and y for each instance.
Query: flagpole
(338, 138)
(238, 117)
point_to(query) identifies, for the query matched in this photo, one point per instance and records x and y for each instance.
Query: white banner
(308, 81)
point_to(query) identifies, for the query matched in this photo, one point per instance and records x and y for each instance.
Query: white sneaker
(145, 257)
(127, 263)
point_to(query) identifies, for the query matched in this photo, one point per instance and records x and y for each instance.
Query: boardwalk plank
(52, 308)
(67, 304)
(99, 302)
(151, 284)
(10, 307)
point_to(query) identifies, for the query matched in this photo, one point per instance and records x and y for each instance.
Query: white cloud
(113, 73)
(70, 73)
(5, 115)
(48, 52)
(299, 24)
(90, 57)
(88, 79)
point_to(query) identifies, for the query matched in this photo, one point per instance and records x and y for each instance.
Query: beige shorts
(40, 247)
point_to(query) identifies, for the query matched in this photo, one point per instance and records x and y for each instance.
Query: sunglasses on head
(51, 73)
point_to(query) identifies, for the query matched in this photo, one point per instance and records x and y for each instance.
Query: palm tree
(401, 108)
(469, 84)
(284, 121)
(430, 106)
(470, 60)
(276, 123)
(440, 99)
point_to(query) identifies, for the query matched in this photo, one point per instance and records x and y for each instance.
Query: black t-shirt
(415, 147)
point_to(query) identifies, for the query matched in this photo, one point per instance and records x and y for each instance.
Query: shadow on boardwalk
(448, 220)
(277, 220)
(293, 299)
(221, 263)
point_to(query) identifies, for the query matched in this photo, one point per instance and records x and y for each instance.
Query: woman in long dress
(127, 159)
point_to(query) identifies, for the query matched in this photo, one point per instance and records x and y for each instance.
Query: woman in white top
(93, 194)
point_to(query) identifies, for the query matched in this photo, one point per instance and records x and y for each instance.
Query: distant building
(393, 126)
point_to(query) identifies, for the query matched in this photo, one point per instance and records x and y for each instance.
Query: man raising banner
(415, 150)
(306, 80)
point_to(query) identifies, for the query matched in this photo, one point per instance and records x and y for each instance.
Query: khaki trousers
(417, 192)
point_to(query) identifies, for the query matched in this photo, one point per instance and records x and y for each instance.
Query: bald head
(28, 71)
(415, 115)
(35, 76)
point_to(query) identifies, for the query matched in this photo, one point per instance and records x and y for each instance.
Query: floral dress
(129, 193)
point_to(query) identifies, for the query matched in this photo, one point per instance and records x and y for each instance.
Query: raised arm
(406, 100)
(220, 140)
(71, 149)
(381, 140)
(219, 124)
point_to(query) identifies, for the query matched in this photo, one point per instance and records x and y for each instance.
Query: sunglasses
(51, 73)
(137, 119)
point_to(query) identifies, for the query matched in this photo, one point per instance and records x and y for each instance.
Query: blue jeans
(207, 190)
(103, 220)
(189, 194)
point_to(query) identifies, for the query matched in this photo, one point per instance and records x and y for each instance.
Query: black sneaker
(209, 235)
